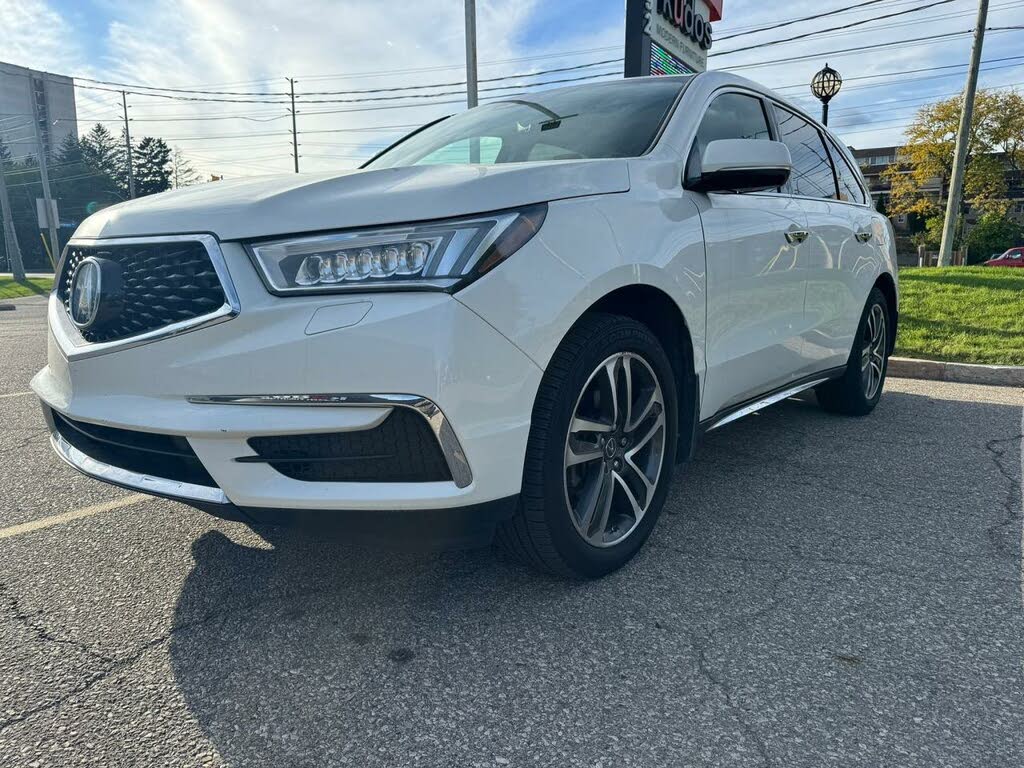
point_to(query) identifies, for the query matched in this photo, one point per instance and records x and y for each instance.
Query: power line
(849, 25)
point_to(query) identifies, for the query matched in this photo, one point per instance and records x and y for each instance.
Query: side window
(812, 168)
(729, 116)
(850, 189)
(732, 116)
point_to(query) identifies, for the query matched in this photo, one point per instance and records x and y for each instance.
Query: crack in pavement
(32, 437)
(115, 665)
(705, 669)
(997, 450)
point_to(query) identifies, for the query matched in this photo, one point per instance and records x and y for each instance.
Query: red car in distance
(1012, 258)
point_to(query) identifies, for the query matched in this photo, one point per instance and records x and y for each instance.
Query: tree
(182, 172)
(991, 235)
(996, 142)
(81, 176)
(152, 165)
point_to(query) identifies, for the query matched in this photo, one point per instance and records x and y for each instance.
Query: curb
(962, 373)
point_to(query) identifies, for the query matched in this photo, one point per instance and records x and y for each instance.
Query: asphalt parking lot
(821, 591)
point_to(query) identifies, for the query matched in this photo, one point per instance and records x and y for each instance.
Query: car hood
(276, 205)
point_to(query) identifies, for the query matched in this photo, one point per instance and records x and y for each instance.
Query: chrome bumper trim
(147, 484)
(441, 427)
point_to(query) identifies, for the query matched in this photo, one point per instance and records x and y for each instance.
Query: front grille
(146, 453)
(164, 283)
(401, 449)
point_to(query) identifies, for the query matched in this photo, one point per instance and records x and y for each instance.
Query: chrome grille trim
(76, 346)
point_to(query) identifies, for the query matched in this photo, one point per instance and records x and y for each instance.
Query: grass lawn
(33, 286)
(962, 314)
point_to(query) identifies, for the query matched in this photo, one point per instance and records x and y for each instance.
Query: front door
(756, 258)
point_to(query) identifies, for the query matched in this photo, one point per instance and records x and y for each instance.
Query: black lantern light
(825, 85)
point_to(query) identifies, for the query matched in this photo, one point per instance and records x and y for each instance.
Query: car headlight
(440, 255)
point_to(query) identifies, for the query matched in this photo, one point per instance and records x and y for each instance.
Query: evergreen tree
(152, 165)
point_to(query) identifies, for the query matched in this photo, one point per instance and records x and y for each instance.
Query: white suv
(520, 319)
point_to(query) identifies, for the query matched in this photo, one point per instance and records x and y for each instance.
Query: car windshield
(619, 119)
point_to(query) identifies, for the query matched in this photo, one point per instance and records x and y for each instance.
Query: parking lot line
(16, 394)
(76, 514)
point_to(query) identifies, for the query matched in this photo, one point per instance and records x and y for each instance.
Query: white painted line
(76, 514)
(17, 394)
(1022, 509)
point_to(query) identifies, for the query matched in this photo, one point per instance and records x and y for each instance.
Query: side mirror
(740, 165)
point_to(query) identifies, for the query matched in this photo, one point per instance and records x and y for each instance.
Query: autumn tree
(995, 145)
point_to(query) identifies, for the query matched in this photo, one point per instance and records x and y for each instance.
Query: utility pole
(963, 137)
(471, 94)
(128, 148)
(10, 236)
(45, 177)
(471, 82)
(295, 133)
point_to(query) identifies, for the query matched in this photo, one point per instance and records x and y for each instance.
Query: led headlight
(437, 255)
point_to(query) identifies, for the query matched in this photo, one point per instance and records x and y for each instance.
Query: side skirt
(736, 412)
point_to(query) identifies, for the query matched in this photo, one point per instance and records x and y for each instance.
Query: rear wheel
(601, 451)
(858, 391)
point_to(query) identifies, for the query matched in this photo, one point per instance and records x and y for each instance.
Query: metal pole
(45, 177)
(824, 113)
(10, 236)
(956, 182)
(128, 148)
(471, 92)
(295, 133)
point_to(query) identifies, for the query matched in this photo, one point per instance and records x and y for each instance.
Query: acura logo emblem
(96, 292)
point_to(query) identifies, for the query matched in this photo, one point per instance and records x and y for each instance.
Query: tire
(580, 521)
(854, 394)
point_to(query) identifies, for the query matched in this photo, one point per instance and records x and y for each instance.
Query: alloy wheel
(615, 449)
(872, 362)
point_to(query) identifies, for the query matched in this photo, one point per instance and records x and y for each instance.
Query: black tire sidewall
(619, 335)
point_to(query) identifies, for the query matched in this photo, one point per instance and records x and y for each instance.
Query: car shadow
(810, 578)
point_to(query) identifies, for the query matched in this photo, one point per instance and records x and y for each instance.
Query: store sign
(669, 36)
(683, 17)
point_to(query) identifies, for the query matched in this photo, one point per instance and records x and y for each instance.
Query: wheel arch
(657, 310)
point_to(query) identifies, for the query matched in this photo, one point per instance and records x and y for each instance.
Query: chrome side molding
(765, 402)
(159, 486)
(458, 465)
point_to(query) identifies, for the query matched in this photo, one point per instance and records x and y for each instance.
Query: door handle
(796, 236)
(864, 236)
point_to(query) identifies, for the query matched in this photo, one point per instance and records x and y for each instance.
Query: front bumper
(219, 386)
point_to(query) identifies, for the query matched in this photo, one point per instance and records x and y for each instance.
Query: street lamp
(825, 85)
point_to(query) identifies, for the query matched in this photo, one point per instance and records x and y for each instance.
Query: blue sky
(344, 45)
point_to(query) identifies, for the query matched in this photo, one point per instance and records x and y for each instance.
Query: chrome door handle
(863, 237)
(795, 236)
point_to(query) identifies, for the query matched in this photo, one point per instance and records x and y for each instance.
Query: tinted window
(619, 119)
(850, 189)
(732, 116)
(812, 168)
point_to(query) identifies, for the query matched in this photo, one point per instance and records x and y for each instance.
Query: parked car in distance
(514, 321)
(1012, 258)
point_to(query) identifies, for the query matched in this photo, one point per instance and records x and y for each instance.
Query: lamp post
(825, 85)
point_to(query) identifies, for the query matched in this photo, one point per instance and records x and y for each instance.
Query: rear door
(755, 275)
(836, 256)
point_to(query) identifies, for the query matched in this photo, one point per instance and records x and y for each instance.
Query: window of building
(812, 175)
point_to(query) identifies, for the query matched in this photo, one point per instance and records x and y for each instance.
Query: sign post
(669, 37)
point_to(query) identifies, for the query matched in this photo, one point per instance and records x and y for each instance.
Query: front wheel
(601, 451)
(859, 389)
